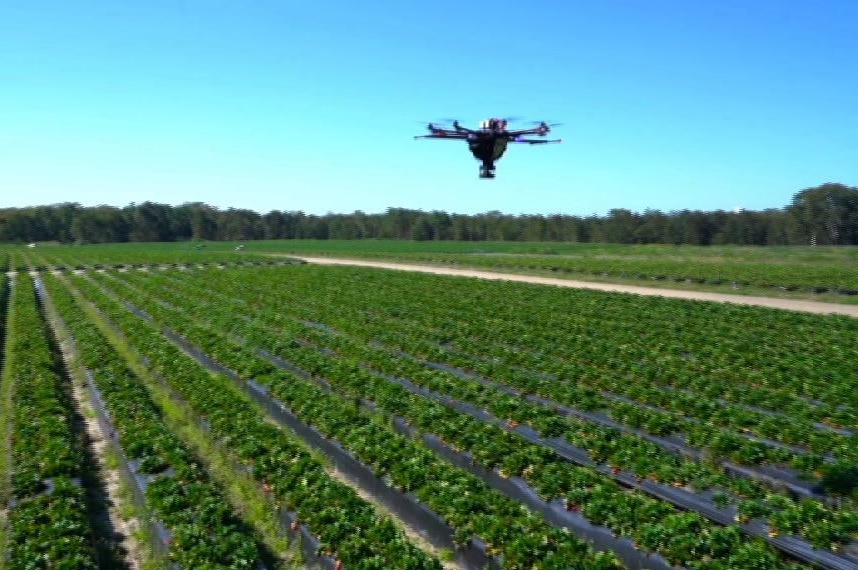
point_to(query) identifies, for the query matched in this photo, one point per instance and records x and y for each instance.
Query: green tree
(827, 214)
(103, 224)
(422, 229)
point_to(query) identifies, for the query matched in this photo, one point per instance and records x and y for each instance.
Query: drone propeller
(545, 123)
(439, 122)
(523, 140)
(446, 121)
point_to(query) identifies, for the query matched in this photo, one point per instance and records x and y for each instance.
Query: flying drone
(489, 142)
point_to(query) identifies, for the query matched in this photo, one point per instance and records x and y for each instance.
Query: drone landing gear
(487, 171)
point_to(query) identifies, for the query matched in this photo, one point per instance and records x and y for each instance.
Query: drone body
(489, 142)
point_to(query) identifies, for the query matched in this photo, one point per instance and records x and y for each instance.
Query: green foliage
(840, 478)
(205, 530)
(297, 320)
(469, 505)
(828, 214)
(526, 355)
(48, 520)
(199, 519)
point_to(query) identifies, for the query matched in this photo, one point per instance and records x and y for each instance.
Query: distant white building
(31, 245)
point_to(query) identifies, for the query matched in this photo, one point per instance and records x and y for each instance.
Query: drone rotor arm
(525, 132)
(541, 131)
(537, 141)
(463, 130)
(449, 135)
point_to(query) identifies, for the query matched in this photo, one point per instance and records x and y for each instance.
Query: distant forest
(824, 215)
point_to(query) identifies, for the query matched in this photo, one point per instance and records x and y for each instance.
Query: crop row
(45, 263)
(738, 432)
(811, 518)
(621, 451)
(48, 521)
(349, 528)
(762, 357)
(204, 528)
(521, 538)
(588, 349)
(362, 346)
(695, 415)
(134, 255)
(553, 477)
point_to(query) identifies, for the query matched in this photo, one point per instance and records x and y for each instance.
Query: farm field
(349, 417)
(826, 273)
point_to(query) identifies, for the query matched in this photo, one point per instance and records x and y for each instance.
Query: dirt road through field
(788, 304)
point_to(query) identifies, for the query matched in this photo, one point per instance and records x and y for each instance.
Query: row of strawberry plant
(726, 431)
(314, 550)
(774, 427)
(787, 516)
(605, 445)
(756, 348)
(739, 327)
(603, 502)
(349, 527)
(764, 352)
(632, 369)
(791, 430)
(205, 529)
(753, 343)
(770, 373)
(466, 503)
(139, 255)
(47, 517)
(725, 444)
(53, 263)
(622, 451)
(732, 444)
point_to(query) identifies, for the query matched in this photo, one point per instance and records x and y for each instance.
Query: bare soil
(785, 304)
(124, 529)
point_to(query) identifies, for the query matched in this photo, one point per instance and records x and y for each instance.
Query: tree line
(824, 215)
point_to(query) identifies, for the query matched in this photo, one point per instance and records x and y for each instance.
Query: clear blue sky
(303, 105)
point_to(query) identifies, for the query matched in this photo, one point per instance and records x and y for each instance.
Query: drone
(489, 142)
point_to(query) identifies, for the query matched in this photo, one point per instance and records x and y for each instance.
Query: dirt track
(788, 304)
